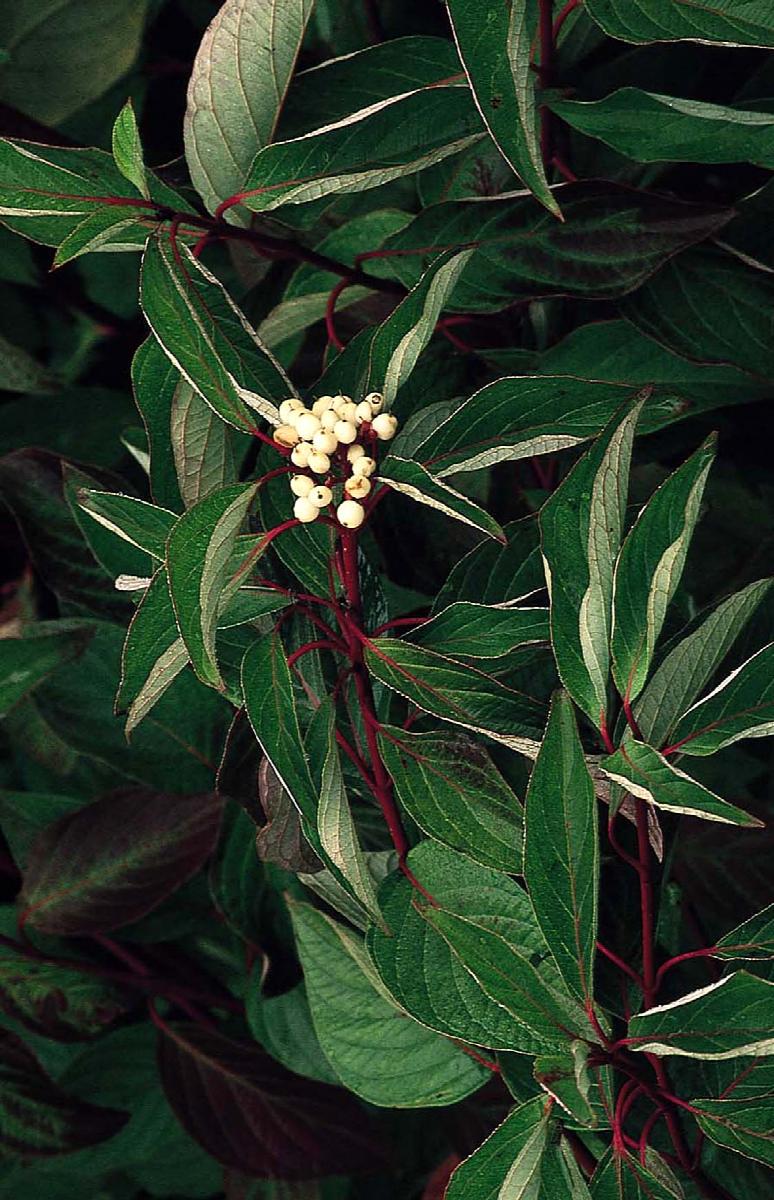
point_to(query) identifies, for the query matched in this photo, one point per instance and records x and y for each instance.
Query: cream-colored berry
(385, 426)
(345, 431)
(350, 514)
(356, 450)
(358, 487)
(285, 435)
(340, 401)
(325, 441)
(348, 412)
(307, 425)
(300, 454)
(319, 463)
(304, 510)
(364, 466)
(375, 400)
(321, 496)
(363, 412)
(322, 404)
(288, 410)
(301, 485)
(329, 418)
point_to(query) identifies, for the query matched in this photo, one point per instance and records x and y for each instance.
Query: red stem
(622, 966)
(562, 16)
(707, 952)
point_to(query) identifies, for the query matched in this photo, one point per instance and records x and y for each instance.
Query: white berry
(350, 514)
(301, 485)
(319, 463)
(339, 402)
(285, 435)
(307, 425)
(300, 454)
(305, 511)
(329, 418)
(322, 404)
(357, 487)
(325, 441)
(348, 412)
(364, 466)
(345, 431)
(385, 426)
(288, 410)
(363, 412)
(375, 400)
(355, 451)
(321, 496)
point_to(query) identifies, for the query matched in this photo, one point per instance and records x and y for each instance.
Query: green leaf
(495, 574)
(741, 706)
(208, 339)
(496, 52)
(754, 938)
(199, 561)
(449, 785)
(283, 1026)
(113, 226)
(415, 481)
(685, 670)
(238, 83)
(236, 876)
(425, 977)
(507, 1166)
(726, 21)
(136, 521)
(467, 630)
(202, 446)
(387, 140)
(509, 979)
(649, 568)
(652, 128)
(645, 773)
(54, 1000)
(155, 381)
(743, 1125)
(154, 654)
(66, 53)
(561, 849)
(580, 527)
(19, 371)
(620, 1176)
(127, 149)
(26, 661)
(567, 1077)
(461, 695)
(710, 306)
(305, 551)
(399, 341)
(611, 240)
(732, 1017)
(357, 1025)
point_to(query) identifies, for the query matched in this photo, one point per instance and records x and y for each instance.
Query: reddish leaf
(54, 1000)
(254, 1116)
(438, 1181)
(110, 863)
(38, 1119)
(281, 839)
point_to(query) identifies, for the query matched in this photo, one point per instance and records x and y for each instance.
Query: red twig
(562, 16)
(707, 952)
(622, 966)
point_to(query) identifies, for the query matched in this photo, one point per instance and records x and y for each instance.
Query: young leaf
(54, 1000)
(743, 1125)
(111, 862)
(421, 972)
(496, 51)
(384, 141)
(462, 695)
(561, 849)
(251, 1114)
(399, 341)
(649, 127)
(729, 23)
(754, 938)
(358, 1026)
(467, 630)
(415, 481)
(645, 773)
(685, 670)
(238, 83)
(39, 1119)
(508, 1164)
(739, 707)
(199, 565)
(208, 338)
(649, 568)
(732, 1017)
(127, 149)
(136, 521)
(580, 526)
(451, 788)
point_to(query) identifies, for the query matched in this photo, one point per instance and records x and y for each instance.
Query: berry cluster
(335, 440)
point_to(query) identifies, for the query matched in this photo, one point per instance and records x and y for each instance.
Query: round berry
(325, 441)
(350, 514)
(363, 412)
(319, 463)
(364, 466)
(339, 402)
(329, 418)
(301, 485)
(321, 496)
(348, 412)
(345, 431)
(322, 404)
(357, 487)
(300, 454)
(285, 435)
(384, 426)
(355, 451)
(305, 511)
(375, 400)
(307, 425)
(288, 410)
